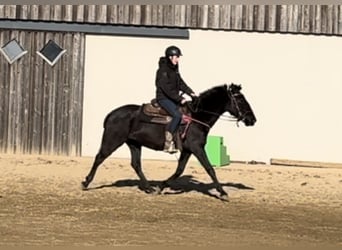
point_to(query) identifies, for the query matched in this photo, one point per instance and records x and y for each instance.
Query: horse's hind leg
(136, 164)
(110, 142)
(100, 157)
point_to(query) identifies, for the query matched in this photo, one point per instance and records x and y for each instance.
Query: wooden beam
(313, 164)
(99, 29)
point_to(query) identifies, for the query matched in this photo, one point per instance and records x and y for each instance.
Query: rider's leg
(172, 109)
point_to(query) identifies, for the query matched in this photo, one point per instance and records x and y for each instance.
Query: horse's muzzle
(249, 121)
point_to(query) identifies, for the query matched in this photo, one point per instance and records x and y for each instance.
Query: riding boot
(169, 145)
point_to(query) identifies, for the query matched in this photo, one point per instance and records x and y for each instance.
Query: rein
(189, 119)
(223, 117)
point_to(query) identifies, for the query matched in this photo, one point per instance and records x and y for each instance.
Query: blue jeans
(172, 109)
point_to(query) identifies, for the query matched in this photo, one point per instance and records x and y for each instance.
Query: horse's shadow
(183, 184)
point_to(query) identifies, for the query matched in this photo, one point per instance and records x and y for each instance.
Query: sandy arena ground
(42, 203)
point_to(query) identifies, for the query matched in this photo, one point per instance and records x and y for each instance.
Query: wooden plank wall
(40, 105)
(313, 19)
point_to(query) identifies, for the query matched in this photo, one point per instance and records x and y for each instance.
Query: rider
(169, 84)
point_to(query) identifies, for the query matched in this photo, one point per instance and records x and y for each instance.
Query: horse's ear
(231, 86)
(234, 87)
(225, 86)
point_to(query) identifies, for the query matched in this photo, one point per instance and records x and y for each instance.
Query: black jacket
(169, 82)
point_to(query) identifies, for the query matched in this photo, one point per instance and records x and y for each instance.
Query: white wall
(293, 83)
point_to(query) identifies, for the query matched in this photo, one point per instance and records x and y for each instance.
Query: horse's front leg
(183, 159)
(203, 159)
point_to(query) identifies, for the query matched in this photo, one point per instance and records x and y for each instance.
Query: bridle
(241, 115)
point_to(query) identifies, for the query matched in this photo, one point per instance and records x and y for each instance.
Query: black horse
(123, 125)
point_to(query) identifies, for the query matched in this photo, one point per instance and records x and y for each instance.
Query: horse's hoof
(224, 197)
(148, 190)
(84, 185)
(157, 190)
(153, 191)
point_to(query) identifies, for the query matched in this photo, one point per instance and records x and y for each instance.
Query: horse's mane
(213, 95)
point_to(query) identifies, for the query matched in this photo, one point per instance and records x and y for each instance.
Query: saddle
(159, 115)
(156, 113)
(153, 113)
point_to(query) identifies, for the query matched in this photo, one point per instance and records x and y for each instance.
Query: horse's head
(212, 103)
(239, 106)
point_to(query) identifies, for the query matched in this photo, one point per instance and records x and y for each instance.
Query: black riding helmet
(173, 51)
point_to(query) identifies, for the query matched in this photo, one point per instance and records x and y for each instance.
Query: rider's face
(174, 59)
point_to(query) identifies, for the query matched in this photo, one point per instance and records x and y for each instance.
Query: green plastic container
(216, 151)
